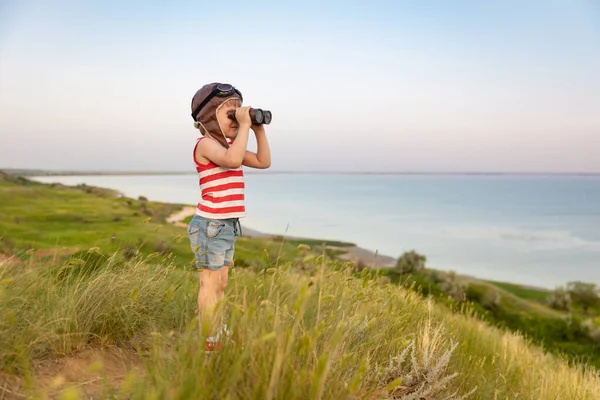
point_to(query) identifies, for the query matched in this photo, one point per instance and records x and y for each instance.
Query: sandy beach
(354, 254)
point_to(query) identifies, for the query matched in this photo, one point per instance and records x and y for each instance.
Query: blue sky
(353, 86)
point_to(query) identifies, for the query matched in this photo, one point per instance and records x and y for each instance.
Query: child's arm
(233, 157)
(262, 158)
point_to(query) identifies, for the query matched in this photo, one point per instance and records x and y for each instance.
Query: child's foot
(212, 344)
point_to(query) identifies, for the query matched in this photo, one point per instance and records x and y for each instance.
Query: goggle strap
(201, 105)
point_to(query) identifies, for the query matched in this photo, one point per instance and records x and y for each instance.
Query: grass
(306, 326)
(529, 293)
(44, 221)
(326, 334)
(539, 295)
(556, 331)
(316, 242)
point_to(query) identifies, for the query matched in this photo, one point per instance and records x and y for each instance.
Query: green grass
(540, 295)
(315, 242)
(306, 326)
(42, 217)
(49, 220)
(524, 292)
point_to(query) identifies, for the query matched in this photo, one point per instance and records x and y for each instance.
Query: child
(219, 155)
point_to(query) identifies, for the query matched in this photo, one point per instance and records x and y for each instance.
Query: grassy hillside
(523, 292)
(563, 333)
(325, 334)
(40, 222)
(81, 315)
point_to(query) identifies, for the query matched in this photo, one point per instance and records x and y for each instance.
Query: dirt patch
(180, 215)
(89, 370)
(9, 260)
(36, 256)
(359, 255)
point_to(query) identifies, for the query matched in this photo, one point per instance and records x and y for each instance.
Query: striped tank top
(222, 190)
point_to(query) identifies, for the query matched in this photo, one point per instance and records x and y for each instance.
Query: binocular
(257, 116)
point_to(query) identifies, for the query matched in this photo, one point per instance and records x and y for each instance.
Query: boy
(219, 155)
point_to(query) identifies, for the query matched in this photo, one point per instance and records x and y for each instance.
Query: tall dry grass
(324, 335)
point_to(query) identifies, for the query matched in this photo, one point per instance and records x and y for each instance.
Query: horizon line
(39, 172)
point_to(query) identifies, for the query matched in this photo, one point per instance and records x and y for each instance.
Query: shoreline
(356, 254)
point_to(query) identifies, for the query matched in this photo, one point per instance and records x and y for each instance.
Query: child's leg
(212, 243)
(223, 282)
(208, 296)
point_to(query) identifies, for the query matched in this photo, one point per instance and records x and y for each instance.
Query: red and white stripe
(222, 191)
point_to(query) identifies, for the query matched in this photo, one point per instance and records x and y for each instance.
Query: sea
(539, 230)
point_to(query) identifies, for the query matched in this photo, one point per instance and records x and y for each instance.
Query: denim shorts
(213, 241)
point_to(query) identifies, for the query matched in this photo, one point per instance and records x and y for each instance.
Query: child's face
(228, 126)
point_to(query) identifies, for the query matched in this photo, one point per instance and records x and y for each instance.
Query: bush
(592, 327)
(454, 287)
(585, 294)
(559, 299)
(410, 262)
(421, 369)
(491, 300)
(436, 276)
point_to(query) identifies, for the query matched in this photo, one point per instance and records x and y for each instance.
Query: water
(539, 230)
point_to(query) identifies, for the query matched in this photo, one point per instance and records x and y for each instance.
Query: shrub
(420, 370)
(559, 299)
(436, 276)
(454, 287)
(410, 262)
(592, 327)
(585, 294)
(491, 300)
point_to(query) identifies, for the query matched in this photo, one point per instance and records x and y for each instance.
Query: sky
(427, 86)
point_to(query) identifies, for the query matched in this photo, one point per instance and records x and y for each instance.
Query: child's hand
(242, 116)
